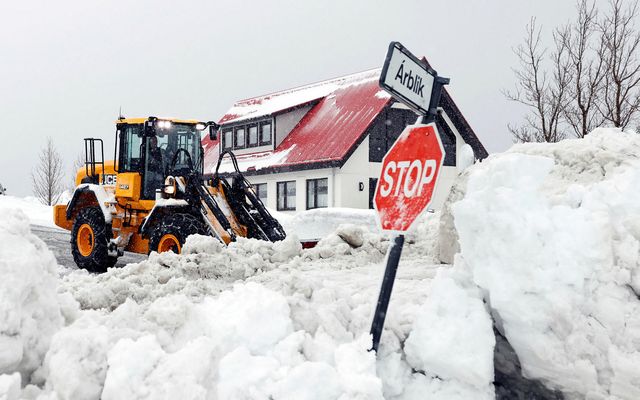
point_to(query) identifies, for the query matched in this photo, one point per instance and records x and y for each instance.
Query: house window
(286, 196)
(253, 135)
(239, 138)
(227, 139)
(265, 133)
(317, 193)
(261, 191)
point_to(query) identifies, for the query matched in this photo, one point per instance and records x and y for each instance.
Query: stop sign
(408, 178)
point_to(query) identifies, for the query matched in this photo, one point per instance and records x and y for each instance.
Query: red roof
(328, 133)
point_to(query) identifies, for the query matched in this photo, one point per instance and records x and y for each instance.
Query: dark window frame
(247, 135)
(266, 190)
(225, 145)
(260, 125)
(284, 185)
(314, 183)
(235, 137)
(125, 164)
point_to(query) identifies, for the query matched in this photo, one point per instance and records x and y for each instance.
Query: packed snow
(35, 212)
(318, 223)
(548, 255)
(31, 311)
(552, 234)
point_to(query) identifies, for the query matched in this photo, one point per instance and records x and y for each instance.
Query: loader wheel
(89, 240)
(173, 231)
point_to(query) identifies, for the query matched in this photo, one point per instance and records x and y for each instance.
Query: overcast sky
(67, 66)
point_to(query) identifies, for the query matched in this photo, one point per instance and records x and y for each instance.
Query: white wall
(287, 121)
(359, 169)
(344, 182)
(301, 185)
(356, 170)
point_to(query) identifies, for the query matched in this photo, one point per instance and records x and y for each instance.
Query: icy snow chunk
(465, 158)
(76, 364)
(249, 315)
(239, 382)
(309, 381)
(141, 369)
(286, 249)
(453, 335)
(357, 368)
(353, 235)
(29, 304)
(422, 387)
(130, 362)
(10, 386)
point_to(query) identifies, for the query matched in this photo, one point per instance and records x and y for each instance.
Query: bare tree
(546, 95)
(584, 47)
(47, 177)
(78, 163)
(621, 99)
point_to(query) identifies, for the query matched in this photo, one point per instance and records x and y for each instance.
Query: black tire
(98, 259)
(180, 226)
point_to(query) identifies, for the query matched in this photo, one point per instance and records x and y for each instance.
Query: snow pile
(36, 212)
(452, 338)
(206, 267)
(337, 227)
(253, 320)
(551, 233)
(320, 222)
(242, 344)
(30, 308)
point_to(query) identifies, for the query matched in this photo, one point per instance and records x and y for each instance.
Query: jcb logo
(110, 179)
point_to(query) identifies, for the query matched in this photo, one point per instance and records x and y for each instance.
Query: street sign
(409, 174)
(406, 78)
(411, 166)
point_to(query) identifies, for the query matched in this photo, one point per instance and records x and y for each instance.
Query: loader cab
(150, 149)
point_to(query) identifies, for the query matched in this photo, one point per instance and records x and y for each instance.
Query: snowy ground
(287, 312)
(549, 257)
(36, 212)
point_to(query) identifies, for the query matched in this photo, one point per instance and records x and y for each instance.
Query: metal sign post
(411, 82)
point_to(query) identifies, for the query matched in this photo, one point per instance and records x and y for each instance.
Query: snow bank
(320, 222)
(36, 212)
(453, 337)
(241, 344)
(341, 228)
(551, 233)
(206, 267)
(30, 310)
(253, 320)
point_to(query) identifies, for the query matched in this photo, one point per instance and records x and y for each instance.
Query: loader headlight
(200, 127)
(164, 124)
(169, 189)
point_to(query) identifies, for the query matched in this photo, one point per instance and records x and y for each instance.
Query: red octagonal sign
(410, 170)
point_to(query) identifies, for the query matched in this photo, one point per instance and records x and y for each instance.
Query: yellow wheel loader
(153, 195)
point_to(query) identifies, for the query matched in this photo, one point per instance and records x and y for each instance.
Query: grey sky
(67, 66)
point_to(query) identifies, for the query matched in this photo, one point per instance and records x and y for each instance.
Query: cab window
(130, 148)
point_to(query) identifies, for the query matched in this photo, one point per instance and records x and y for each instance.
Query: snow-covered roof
(343, 109)
(326, 135)
(274, 103)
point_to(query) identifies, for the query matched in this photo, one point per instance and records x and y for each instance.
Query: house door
(372, 190)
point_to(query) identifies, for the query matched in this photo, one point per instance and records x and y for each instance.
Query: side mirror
(213, 130)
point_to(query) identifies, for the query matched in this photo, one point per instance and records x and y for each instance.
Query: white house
(321, 145)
